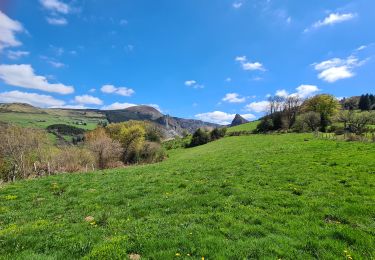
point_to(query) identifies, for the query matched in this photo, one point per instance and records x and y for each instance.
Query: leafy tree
(310, 119)
(265, 125)
(131, 135)
(359, 122)
(218, 133)
(200, 137)
(324, 104)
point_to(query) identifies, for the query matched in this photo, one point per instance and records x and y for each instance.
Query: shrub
(20, 148)
(200, 137)
(265, 125)
(218, 133)
(72, 159)
(106, 150)
(152, 152)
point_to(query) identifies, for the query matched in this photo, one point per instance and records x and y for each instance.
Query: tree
(359, 122)
(106, 150)
(265, 125)
(200, 137)
(131, 135)
(310, 119)
(345, 117)
(218, 133)
(291, 108)
(324, 104)
(364, 102)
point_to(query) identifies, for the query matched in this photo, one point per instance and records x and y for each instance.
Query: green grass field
(261, 196)
(244, 127)
(44, 120)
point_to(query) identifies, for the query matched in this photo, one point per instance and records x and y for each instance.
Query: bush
(152, 152)
(200, 137)
(71, 159)
(265, 125)
(218, 133)
(106, 150)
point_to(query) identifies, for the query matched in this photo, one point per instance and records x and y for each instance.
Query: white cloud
(221, 118)
(193, 84)
(55, 6)
(304, 91)
(23, 76)
(92, 90)
(30, 98)
(15, 55)
(88, 100)
(331, 19)
(246, 65)
(228, 79)
(118, 105)
(258, 107)
(335, 69)
(71, 107)
(123, 91)
(282, 93)
(57, 20)
(233, 98)
(8, 29)
(237, 5)
(190, 83)
(56, 64)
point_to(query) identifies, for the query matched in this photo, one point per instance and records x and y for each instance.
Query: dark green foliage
(200, 137)
(218, 133)
(65, 129)
(265, 125)
(364, 102)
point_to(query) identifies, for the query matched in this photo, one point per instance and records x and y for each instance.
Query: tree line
(319, 113)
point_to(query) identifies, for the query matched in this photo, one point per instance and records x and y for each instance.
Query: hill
(245, 197)
(244, 127)
(29, 116)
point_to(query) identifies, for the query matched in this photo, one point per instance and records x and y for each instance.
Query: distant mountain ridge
(172, 126)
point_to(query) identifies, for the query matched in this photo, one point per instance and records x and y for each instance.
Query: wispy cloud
(23, 76)
(193, 84)
(15, 55)
(56, 9)
(233, 98)
(237, 4)
(57, 21)
(331, 19)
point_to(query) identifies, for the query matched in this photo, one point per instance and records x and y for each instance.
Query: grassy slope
(244, 127)
(52, 117)
(275, 196)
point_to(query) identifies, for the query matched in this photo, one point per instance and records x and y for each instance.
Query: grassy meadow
(244, 127)
(43, 120)
(260, 196)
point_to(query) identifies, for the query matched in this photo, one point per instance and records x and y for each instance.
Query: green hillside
(239, 197)
(244, 127)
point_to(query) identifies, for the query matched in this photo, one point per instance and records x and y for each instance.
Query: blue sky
(190, 58)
